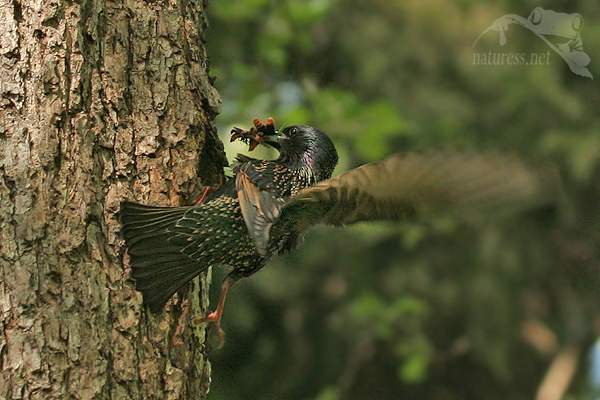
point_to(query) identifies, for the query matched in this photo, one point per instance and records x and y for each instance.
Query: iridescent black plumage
(269, 205)
(170, 246)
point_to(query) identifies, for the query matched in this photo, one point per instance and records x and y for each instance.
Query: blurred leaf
(579, 149)
(415, 354)
(235, 10)
(378, 122)
(307, 12)
(368, 307)
(408, 305)
(329, 393)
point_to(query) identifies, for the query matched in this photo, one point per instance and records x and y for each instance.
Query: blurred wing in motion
(421, 185)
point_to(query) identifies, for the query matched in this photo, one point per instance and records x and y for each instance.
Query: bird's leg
(205, 193)
(215, 316)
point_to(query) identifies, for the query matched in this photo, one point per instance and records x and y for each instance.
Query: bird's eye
(293, 131)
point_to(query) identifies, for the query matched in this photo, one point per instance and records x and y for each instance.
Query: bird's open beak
(271, 140)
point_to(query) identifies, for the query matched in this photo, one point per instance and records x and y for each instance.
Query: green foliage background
(413, 311)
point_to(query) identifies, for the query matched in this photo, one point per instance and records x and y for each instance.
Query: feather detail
(423, 185)
(158, 266)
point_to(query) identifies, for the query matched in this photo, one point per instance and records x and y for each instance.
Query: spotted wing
(259, 199)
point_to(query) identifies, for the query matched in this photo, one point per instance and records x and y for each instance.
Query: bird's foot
(215, 318)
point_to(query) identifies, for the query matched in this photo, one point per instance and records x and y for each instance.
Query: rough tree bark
(100, 101)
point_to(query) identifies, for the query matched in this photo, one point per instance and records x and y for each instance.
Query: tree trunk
(100, 101)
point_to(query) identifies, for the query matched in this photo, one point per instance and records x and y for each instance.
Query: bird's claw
(215, 318)
(254, 136)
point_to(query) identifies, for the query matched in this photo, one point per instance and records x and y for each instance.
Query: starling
(268, 206)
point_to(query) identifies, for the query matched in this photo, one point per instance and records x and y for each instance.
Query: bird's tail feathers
(158, 265)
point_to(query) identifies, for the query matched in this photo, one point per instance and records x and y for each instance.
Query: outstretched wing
(418, 184)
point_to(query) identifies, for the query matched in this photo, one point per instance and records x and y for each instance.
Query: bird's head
(302, 146)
